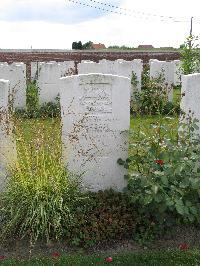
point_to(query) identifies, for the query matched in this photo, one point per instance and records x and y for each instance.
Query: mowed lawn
(151, 258)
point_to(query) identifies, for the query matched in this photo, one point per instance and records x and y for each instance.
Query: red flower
(2, 257)
(108, 259)
(160, 162)
(183, 246)
(55, 254)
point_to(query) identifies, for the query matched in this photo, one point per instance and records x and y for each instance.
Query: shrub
(153, 98)
(32, 100)
(50, 109)
(162, 180)
(107, 216)
(33, 110)
(190, 56)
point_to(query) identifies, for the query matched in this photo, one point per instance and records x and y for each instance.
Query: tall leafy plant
(41, 196)
(164, 172)
(190, 55)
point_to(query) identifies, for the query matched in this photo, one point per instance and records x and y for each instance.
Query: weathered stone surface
(166, 70)
(95, 112)
(67, 68)
(131, 69)
(177, 72)
(16, 74)
(8, 152)
(119, 67)
(48, 78)
(18, 84)
(190, 91)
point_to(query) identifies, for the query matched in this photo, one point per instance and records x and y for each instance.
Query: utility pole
(191, 24)
(191, 27)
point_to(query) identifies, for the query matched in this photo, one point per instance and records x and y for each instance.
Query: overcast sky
(57, 23)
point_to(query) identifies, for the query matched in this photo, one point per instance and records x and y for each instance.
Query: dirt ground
(21, 249)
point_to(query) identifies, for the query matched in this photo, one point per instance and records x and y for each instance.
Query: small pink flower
(183, 246)
(109, 259)
(2, 257)
(55, 254)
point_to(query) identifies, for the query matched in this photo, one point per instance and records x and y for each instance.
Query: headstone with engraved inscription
(95, 112)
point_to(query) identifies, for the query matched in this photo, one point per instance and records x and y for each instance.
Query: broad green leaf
(164, 180)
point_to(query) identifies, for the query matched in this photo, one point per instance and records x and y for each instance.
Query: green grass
(176, 95)
(30, 127)
(50, 129)
(159, 258)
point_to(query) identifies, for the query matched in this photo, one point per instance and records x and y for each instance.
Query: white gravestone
(67, 68)
(95, 112)
(166, 69)
(16, 74)
(131, 69)
(177, 72)
(119, 67)
(8, 152)
(48, 79)
(190, 100)
(87, 67)
(18, 84)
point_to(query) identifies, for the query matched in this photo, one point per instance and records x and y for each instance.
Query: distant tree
(74, 45)
(87, 45)
(123, 47)
(79, 46)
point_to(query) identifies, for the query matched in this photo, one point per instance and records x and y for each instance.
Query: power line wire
(130, 10)
(123, 11)
(144, 13)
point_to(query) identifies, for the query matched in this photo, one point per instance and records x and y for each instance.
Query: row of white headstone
(95, 124)
(47, 74)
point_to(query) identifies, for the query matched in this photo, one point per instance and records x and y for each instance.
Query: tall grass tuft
(41, 195)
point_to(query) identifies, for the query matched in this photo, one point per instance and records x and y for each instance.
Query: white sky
(57, 23)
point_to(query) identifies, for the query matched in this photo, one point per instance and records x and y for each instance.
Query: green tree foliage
(87, 45)
(123, 47)
(77, 45)
(190, 55)
(80, 46)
